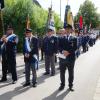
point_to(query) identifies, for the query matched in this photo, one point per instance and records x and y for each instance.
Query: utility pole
(60, 9)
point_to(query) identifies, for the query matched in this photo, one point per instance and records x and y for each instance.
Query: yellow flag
(70, 18)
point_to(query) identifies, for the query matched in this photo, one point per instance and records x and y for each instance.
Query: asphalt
(86, 82)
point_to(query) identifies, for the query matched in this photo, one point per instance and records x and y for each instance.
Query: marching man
(8, 48)
(30, 51)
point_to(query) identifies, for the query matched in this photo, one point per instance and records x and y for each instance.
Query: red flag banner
(81, 22)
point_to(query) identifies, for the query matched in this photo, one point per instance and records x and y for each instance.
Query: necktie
(29, 40)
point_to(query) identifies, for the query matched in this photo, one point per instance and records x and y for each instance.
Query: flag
(28, 22)
(2, 4)
(68, 20)
(81, 22)
(50, 21)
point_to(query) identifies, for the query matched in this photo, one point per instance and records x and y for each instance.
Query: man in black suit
(30, 51)
(68, 46)
(8, 47)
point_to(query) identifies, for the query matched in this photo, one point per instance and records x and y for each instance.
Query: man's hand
(3, 37)
(66, 53)
(5, 40)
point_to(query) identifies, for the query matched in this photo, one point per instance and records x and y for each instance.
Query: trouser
(4, 68)
(94, 41)
(50, 62)
(42, 54)
(70, 66)
(9, 64)
(84, 48)
(28, 67)
(12, 67)
(55, 59)
(77, 52)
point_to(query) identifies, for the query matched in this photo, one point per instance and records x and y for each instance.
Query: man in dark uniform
(68, 46)
(60, 38)
(41, 47)
(30, 51)
(50, 49)
(79, 43)
(85, 40)
(8, 46)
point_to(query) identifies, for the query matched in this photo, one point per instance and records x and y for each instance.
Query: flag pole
(51, 4)
(28, 22)
(67, 2)
(2, 21)
(60, 9)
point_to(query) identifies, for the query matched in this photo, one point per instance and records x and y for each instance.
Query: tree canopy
(16, 12)
(89, 13)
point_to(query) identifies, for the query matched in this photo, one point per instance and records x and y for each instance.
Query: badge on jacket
(52, 41)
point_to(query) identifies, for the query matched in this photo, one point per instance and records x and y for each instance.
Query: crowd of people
(66, 45)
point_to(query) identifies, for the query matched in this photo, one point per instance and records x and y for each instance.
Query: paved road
(87, 74)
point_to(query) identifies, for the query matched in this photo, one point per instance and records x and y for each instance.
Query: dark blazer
(85, 40)
(69, 45)
(10, 47)
(34, 50)
(50, 45)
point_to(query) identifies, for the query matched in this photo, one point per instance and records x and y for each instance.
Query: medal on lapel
(52, 41)
(72, 44)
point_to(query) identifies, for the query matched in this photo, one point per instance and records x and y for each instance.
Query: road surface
(87, 74)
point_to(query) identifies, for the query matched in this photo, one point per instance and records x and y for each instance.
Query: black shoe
(14, 82)
(3, 80)
(23, 72)
(46, 73)
(58, 68)
(53, 74)
(61, 88)
(71, 89)
(26, 84)
(34, 85)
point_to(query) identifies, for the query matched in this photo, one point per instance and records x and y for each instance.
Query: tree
(89, 13)
(16, 12)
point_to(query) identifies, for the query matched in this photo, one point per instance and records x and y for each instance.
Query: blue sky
(75, 4)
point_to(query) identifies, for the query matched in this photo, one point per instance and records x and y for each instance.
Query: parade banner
(81, 22)
(50, 21)
(68, 20)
